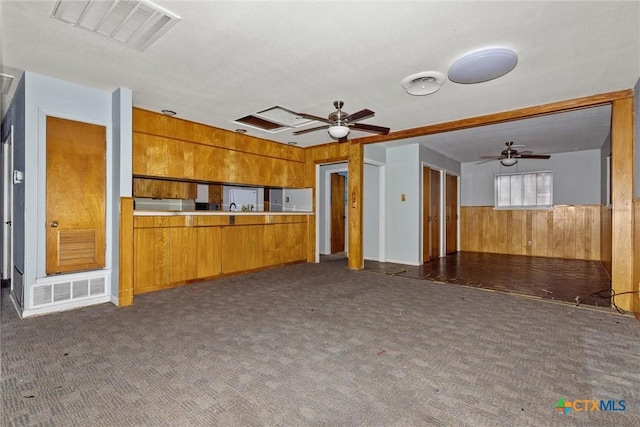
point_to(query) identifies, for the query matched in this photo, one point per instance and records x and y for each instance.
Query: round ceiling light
(424, 83)
(483, 65)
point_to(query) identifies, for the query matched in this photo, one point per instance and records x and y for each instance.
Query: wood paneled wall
(167, 147)
(565, 232)
(320, 154)
(605, 238)
(636, 257)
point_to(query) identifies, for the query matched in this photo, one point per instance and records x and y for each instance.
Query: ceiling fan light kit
(338, 131)
(483, 65)
(339, 123)
(509, 161)
(424, 83)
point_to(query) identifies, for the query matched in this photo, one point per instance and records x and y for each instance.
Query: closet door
(452, 213)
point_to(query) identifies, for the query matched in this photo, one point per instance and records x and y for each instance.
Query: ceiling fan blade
(534, 156)
(343, 139)
(300, 132)
(491, 157)
(525, 152)
(370, 128)
(316, 118)
(360, 115)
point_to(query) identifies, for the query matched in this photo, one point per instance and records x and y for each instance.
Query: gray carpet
(314, 345)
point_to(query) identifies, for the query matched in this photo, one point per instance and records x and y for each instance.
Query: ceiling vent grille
(5, 83)
(135, 23)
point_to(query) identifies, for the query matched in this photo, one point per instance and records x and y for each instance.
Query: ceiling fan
(510, 155)
(339, 123)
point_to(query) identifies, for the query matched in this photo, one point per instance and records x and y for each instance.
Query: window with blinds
(528, 190)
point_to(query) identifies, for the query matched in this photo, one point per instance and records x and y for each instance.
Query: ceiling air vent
(5, 83)
(274, 119)
(262, 124)
(135, 23)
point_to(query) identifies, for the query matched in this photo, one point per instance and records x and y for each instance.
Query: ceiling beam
(506, 116)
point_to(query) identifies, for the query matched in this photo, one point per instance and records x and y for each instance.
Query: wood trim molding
(636, 258)
(505, 116)
(125, 279)
(621, 201)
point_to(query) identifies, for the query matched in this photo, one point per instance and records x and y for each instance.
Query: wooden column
(125, 279)
(354, 207)
(621, 201)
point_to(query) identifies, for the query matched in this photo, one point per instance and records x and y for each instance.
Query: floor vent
(58, 289)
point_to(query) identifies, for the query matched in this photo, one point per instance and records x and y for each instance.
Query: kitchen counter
(215, 213)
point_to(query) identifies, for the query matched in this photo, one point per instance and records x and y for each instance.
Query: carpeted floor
(319, 345)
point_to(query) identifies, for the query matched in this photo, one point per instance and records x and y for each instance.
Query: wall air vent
(135, 23)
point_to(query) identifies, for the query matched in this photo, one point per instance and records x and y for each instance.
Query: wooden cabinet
(174, 250)
(151, 259)
(209, 251)
(170, 148)
(183, 254)
(253, 247)
(232, 248)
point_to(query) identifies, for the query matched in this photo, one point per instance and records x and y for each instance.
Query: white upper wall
(576, 178)
(402, 222)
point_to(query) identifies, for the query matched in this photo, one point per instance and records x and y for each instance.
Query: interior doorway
(338, 214)
(75, 196)
(7, 209)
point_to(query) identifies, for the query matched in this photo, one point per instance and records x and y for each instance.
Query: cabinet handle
(53, 224)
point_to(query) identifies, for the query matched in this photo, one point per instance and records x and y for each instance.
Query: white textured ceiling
(225, 60)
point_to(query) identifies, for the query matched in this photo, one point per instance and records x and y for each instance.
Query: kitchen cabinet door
(253, 252)
(209, 251)
(232, 246)
(183, 254)
(151, 259)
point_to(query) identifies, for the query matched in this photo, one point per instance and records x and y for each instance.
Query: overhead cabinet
(176, 149)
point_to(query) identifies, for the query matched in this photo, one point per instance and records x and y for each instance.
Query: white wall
(371, 213)
(46, 96)
(402, 221)
(576, 178)
(297, 199)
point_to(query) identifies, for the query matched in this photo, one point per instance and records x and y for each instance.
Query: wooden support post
(125, 288)
(355, 198)
(621, 201)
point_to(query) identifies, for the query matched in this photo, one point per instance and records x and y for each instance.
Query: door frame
(458, 179)
(42, 183)
(7, 207)
(323, 202)
(441, 209)
(327, 211)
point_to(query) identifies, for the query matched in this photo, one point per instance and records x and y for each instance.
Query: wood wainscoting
(572, 232)
(636, 257)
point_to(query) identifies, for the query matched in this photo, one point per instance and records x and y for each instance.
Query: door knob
(53, 224)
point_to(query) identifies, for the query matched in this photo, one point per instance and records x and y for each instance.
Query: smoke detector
(424, 83)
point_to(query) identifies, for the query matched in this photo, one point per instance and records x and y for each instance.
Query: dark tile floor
(576, 281)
